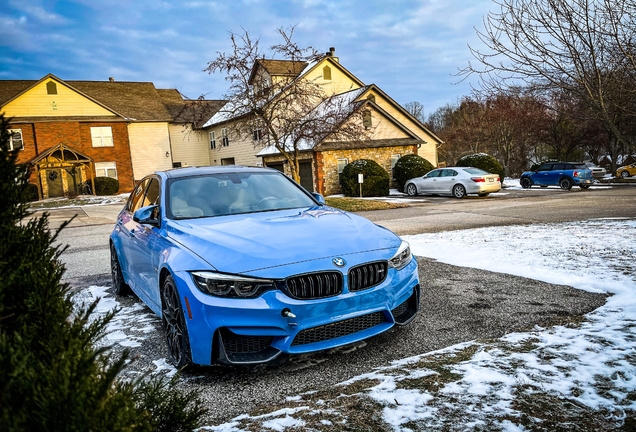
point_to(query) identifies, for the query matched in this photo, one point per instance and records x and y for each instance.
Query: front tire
(459, 191)
(526, 183)
(624, 174)
(120, 287)
(174, 325)
(565, 183)
(411, 189)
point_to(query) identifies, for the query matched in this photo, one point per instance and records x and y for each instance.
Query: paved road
(458, 304)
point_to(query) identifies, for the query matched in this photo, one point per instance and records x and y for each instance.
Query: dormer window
(51, 88)
(367, 119)
(326, 73)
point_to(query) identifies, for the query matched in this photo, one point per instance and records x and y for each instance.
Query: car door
(556, 173)
(126, 227)
(540, 176)
(428, 183)
(446, 180)
(145, 244)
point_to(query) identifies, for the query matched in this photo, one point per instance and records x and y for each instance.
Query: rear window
(476, 171)
(579, 166)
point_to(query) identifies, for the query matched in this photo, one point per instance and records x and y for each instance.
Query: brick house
(72, 131)
(395, 132)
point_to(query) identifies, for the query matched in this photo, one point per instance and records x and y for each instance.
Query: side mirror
(318, 197)
(145, 215)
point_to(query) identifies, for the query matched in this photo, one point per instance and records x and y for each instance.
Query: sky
(409, 48)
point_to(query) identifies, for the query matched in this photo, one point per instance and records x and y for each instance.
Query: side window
(136, 198)
(15, 139)
(212, 141)
(434, 173)
(545, 167)
(152, 193)
(559, 167)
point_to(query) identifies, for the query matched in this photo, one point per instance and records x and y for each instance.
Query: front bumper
(249, 331)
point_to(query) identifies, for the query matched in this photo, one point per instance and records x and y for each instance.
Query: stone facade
(326, 163)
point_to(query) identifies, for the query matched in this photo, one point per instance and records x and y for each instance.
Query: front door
(73, 180)
(54, 183)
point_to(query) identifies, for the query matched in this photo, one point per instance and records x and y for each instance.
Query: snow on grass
(583, 375)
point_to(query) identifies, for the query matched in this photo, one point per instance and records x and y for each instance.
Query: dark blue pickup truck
(563, 174)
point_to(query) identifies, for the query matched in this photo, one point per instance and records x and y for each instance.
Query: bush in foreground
(52, 376)
(376, 179)
(408, 167)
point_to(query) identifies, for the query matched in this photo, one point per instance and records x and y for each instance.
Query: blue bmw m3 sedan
(242, 265)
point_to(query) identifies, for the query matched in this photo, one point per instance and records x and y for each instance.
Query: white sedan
(456, 181)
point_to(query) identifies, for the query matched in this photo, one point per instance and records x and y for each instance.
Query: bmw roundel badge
(339, 262)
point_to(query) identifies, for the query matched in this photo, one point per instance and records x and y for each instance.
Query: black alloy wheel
(174, 325)
(411, 189)
(526, 183)
(120, 287)
(565, 183)
(459, 191)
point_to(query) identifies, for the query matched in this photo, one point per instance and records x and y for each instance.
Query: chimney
(111, 79)
(332, 54)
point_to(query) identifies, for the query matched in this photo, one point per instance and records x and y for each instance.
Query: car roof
(215, 169)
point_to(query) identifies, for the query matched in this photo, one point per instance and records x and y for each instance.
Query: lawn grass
(357, 204)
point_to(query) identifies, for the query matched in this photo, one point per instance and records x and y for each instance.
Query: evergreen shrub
(53, 375)
(408, 167)
(482, 161)
(376, 179)
(106, 186)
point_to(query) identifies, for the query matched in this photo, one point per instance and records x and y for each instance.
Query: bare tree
(292, 113)
(416, 109)
(583, 47)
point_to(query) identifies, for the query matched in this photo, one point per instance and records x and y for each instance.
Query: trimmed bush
(408, 167)
(482, 161)
(31, 192)
(376, 179)
(105, 186)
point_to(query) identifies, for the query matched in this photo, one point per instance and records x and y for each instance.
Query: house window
(257, 134)
(366, 119)
(342, 163)
(51, 87)
(102, 136)
(394, 159)
(212, 141)
(106, 169)
(15, 139)
(326, 73)
(225, 141)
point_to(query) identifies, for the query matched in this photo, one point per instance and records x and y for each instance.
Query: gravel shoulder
(457, 305)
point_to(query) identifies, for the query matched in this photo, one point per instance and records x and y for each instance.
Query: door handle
(132, 232)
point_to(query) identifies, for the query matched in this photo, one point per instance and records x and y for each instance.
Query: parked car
(243, 265)
(456, 181)
(563, 174)
(597, 171)
(626, 171)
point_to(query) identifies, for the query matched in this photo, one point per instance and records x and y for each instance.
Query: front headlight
(224, 285)
(402, 257)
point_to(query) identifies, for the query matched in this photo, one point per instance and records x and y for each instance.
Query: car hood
(250, 242)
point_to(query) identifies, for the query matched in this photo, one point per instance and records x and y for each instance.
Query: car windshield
(233, 193)
(476, 171)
